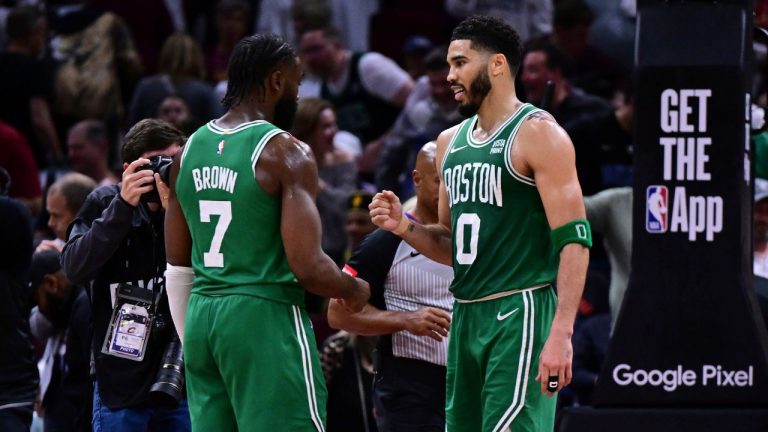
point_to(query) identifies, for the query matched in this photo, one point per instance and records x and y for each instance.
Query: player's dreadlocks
(253, 58)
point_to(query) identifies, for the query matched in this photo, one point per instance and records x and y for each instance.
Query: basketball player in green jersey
(242, 214)
(511, 222)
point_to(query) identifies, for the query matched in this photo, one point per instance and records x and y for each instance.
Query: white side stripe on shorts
(306, 363)
(524, 365)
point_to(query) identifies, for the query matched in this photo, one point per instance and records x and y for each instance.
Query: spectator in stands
(18, 373)
(88, 151)
(591, 70)
(181, 72)
(233, 22)
(65, 381)
(367, 89)
(63, 202)
(25, 84)
(99, 67)
(275, 16)
(610, 214)
(529, 18)
(19, 163)
(359, 222)
(150, 23)
(421, 121)
(315, 124)
(590, 345)
(415, 51)
(572, 108)
(347, 362)
(174, 110)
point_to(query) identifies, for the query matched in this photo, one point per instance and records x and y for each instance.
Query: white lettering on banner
(676, 110)
(686, 158)
(672, 379)
(696, 215)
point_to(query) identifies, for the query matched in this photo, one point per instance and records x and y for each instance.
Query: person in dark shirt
(590, 345)
(117, 240)
(26, 84)
(65, 384)
(573, 108)
(18, 373)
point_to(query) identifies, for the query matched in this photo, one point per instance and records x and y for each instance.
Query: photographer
(116, 249)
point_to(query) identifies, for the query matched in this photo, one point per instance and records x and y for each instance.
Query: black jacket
(111, 242)
(18, 371)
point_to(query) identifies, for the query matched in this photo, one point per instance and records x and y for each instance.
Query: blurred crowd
(76, 75)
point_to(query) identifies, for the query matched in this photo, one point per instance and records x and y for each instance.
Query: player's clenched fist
(386, 210)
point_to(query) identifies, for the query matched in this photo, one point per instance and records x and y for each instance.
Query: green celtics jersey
(234, 223)
(500, 231)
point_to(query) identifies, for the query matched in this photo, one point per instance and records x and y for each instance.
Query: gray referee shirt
(402, 279)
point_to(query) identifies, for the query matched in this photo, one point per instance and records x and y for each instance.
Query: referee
(410, 308)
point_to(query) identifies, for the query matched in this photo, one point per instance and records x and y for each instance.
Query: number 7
(214, 258)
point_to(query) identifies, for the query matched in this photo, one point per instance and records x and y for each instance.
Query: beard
(476, 94)
(285, 112)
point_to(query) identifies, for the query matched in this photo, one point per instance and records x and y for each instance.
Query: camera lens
(168, 389)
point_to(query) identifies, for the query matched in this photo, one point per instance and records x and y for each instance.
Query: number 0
(473, 220)
(214, 258)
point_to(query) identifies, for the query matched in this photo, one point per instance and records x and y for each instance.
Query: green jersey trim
(186, 148)
(260, 147)
(450, 145)
(473, 122)
(211, 125)
(508, 152)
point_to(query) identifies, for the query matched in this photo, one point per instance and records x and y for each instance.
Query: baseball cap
(359, 200)
(417, 44)
(43, 263)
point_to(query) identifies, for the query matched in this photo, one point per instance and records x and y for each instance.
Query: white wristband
(178, 285)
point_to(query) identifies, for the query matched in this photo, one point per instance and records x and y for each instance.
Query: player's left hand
(555, 361)
(163, 190)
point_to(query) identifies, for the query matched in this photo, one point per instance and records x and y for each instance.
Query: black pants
(409, 395)
(16, 419)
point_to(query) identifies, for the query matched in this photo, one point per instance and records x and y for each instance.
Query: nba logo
(220, 148)
(656, 201)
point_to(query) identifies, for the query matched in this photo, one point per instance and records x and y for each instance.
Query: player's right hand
(359, 297)
(136, 183)
(428, 321)
(386, 210)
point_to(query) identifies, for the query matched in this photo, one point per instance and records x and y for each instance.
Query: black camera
(161, 165)
(168, 389)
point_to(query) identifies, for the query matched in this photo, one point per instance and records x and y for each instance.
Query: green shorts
(493, 360)
(252, 365)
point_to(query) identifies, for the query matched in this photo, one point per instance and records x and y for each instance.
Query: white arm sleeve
(381, 76)
(178, 285)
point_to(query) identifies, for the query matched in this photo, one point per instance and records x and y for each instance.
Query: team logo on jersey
(656, 205)
(220, 148)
